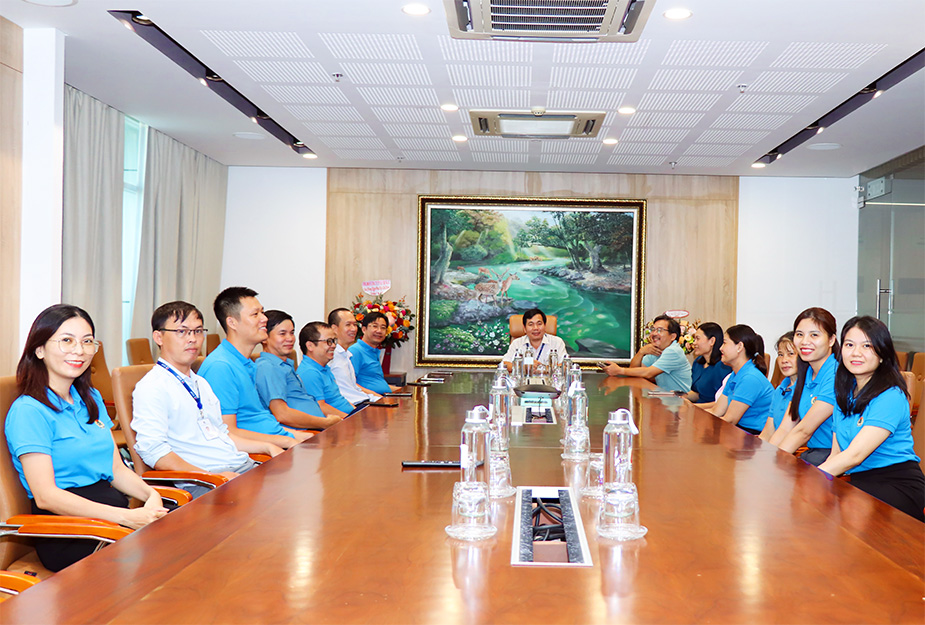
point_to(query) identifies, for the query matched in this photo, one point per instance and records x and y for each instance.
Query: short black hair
(673, 326)
(368, 319)
(178, 310)
(334, 315)
(311, 331)
(276, 317)
(228, 303)
(533, 312)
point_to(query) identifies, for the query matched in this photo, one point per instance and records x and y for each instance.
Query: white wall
(798, 247)
(275, 237)
(42, 173)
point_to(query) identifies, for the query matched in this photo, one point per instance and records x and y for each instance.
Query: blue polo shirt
(81, 452)
(820, 388)
(368, 368)
(888, 410)
(780, 399)
(319, 382)
(233, 380)
(750, 387)
(277, 379)
(676, 370)
(707, 380)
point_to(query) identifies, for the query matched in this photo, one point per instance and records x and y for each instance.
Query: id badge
(207, 428)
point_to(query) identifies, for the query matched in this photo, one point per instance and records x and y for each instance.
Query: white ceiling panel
(365, 155)
(285, 94)
(398, 96)
(285, 71)
(491, 98)
(571, 146)
(704, 161)
(252, 44)
(732, 136)
(656, 135)
(417, 130)
(825, 55)
(665, 120)
(497, 144)
(346, 130)
(712, 149)
(665, 101)
(355, 143)
(485, 75)
(795, 82)
(396, 74)
(324, 113)
(770, 103)
(695, 79)
(568, 159)
(441, 157)
(385, 47)
(635, 160)
(591, 77)
(714, 53)
(630, 147)
(600, 53)
(410, 115)
(407, 143)
(499, 157)
(485, 51)
(585, 100)
(750, 122)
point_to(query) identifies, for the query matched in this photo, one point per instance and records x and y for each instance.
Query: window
(136, 139)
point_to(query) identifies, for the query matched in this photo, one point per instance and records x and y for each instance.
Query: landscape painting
(483, 259)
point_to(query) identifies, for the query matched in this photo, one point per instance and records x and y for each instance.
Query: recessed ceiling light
(449, 107)
(824, 146)
(52, 3)
(758, 165)
(460, 138)
(309, 155)
(416, 9)
(677, 14)
(626, 110)
(610, 141)
(253, 136)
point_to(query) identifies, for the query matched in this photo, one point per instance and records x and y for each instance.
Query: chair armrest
(260, 458)
(197, 477)
(73, 530)
(14, 583)
(177, 495)
(30, 519)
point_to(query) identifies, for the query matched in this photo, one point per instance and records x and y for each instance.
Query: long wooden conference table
(334, 531)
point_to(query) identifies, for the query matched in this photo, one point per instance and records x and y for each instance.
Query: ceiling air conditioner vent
(548, 20)
(536, 124)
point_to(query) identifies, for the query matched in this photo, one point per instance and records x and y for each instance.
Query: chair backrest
(903, 359)
(918, 437)
(101, 379)
(918, 364)
(909, 377)
(516, 325)
(124, 380)
(139, 351)
(212, 341)
(13, 498)
(197, 363)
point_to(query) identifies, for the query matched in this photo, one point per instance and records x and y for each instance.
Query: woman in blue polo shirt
(780, 400)
(810, 415)
(873, 437)
(746, 398)
(59, 436)
(707, 371)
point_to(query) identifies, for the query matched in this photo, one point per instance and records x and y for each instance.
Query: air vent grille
(548, 20)
(538, 124)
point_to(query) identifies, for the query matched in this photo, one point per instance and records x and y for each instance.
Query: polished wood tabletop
(334, 531)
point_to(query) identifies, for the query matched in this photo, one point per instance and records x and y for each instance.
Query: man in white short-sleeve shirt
(543, 344)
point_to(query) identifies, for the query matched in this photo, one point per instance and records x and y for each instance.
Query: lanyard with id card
(208, 430)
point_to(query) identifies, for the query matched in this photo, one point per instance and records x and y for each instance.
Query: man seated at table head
(317, 342)
(535, 336)
(365, 354)
(661, 359)
(280, 388)
(233, 375)
(176, 417)
(344, 325)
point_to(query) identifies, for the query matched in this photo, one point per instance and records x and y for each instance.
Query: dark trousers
(900, 485)
(57, 553)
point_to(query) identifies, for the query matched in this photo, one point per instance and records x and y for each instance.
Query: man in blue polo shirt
(662, 359)
(365, 354)
(232, 374)
(317, 342)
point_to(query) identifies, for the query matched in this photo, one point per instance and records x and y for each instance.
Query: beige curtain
(182, 231)
(92, 215)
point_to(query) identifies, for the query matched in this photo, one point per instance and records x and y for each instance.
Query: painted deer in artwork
(496, 287)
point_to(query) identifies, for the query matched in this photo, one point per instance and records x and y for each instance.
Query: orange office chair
(212, 341)
(11, 584)
(139, 352)
(124, 380)
(16, 554)
(516, 325)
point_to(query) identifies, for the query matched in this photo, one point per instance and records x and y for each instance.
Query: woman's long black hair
(31, 373)
(885, 377)
(713, 331)
(826, 321)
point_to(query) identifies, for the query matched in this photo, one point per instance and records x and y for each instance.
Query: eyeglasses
(182, 333)
(69, 345)
(330, 342)
(659, 331)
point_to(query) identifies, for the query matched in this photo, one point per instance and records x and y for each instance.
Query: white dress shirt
(346, 377)
(550, 342)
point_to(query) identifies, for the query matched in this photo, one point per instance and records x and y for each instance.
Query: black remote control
(430, 464)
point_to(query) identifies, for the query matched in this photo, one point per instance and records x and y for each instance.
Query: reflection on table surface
(334, 531)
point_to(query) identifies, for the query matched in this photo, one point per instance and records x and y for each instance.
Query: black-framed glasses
(182, 333)
(330, 342)
(68, 345)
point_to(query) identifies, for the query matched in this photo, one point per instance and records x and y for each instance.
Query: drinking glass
(594, 477)
(501, 487)
(471, 512)
(619, 518)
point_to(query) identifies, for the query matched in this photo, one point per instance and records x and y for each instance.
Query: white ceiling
(799, 58)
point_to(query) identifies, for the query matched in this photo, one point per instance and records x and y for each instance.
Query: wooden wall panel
(10, 191)
(691, 239)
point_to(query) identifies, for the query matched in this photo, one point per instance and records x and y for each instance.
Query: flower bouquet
(397, 313)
